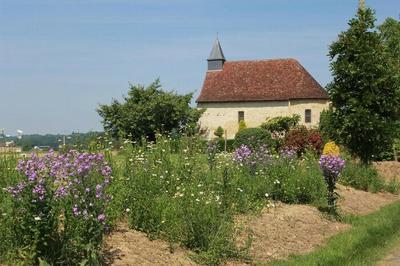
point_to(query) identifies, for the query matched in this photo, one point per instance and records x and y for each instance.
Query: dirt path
(286, 229)
(130, 247)
(393, 258)
(276, 233)
(388, 170)
(358, 202)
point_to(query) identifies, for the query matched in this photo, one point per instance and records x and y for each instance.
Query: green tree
(390, 32)
(219, 132)
(147, 110)
(364, 90)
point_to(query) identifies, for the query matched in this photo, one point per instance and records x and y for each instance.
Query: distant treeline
(53, 141)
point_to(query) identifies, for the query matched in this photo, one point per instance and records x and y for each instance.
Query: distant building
(9, 147)
(256, 90)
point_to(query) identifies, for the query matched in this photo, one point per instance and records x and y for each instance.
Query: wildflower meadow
(57, 207)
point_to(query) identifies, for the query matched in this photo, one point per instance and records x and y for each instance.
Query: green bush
(281, 124)
(363, 177)
(254, 138)
(242, 125)
(219, 132)
(230, 145)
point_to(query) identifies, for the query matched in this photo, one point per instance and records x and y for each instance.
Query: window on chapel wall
(240, 116)
(308, 116)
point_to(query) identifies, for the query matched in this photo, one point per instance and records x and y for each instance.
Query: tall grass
(8, 176)
(366, 177)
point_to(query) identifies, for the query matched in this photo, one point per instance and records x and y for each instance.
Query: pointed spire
(361, 4)
(216, 52)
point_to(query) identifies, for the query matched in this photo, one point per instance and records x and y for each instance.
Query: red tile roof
(264, 80)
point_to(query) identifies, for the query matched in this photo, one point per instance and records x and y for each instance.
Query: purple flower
(241, 154)
(75, 211)
(39, 190)
(331, 166)
(106, 171)
(288, 153)
(101, 218)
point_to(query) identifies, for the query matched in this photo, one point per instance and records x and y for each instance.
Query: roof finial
(361, 4)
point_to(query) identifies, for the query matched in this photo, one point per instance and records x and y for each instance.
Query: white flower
(37, 218)
(128, 210)
(266, 195)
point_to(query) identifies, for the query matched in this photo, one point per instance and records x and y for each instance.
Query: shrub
(230, 145)
(254, 138)
(242, 125)
(281, 124)
(302, 138)
(219, 132)
(331, 148)
(363, 177)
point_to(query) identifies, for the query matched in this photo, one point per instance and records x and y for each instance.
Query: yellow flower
(331, 148)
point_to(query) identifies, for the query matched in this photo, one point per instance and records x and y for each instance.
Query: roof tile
(263, 80)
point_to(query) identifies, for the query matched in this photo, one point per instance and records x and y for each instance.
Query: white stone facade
(226, 114)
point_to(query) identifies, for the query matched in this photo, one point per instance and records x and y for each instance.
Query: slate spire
(216, 58)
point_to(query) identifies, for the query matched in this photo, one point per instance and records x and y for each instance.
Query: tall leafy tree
(390, 32)
(147, 110)
(364, 90)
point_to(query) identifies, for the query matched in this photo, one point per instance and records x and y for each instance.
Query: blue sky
(59, 59)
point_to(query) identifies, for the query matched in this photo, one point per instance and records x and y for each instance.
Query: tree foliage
(147, 110)
(390, 32)
(219, 132)
(365, 88)
(281, 124)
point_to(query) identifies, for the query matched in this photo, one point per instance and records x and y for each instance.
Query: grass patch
(366, 177)
(366, 242)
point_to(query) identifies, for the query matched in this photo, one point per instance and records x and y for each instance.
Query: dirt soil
(130, 247)
(286, 229)
(392, 258)
(389, 170)
(359, 202)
